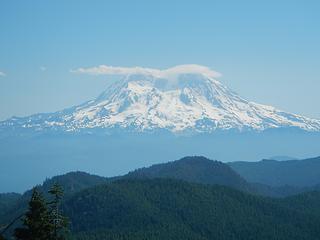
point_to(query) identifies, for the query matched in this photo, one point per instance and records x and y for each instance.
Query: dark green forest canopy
(172, 209)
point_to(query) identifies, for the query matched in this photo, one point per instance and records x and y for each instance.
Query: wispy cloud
(43, 68)
(170, 72)
(2, 74)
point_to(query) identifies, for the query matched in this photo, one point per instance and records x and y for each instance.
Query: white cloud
(166, 73)
(2, 74)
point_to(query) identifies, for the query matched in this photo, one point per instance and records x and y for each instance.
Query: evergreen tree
(36, 223)
(58, 221)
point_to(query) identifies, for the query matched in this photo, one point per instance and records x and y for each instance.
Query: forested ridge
(174, 209)
(192, 198)
(299, 173)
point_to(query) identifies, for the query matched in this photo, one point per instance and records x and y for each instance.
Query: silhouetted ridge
(298, 173)
(195, 169)
(73, 181)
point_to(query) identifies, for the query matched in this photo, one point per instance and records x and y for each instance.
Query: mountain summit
(186, 98)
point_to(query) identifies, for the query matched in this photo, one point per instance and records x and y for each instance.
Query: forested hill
(74, 181)
(299, 173)
(157, 209)
(196, 169)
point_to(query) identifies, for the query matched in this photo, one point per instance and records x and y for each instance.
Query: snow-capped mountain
(174, 100)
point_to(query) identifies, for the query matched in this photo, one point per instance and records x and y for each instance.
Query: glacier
(173, 100)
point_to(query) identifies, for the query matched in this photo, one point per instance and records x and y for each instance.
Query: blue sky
(267, 51)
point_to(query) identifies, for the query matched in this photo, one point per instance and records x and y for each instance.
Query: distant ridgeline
(296, 173)
(192, 198)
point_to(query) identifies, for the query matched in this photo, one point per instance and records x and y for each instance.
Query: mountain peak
(185, 98)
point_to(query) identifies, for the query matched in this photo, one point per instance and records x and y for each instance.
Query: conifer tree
(58, 221)
(36, 223)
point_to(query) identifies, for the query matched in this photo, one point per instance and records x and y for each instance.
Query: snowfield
(194, 102)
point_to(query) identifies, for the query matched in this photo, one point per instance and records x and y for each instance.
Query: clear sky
(267, 51)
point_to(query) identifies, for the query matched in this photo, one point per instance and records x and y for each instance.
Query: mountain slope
(194, 169)
(171, 209)
(205, 171)
(186, 101)
(299, 173)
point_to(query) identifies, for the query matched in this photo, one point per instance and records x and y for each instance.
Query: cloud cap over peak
(166, 73)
